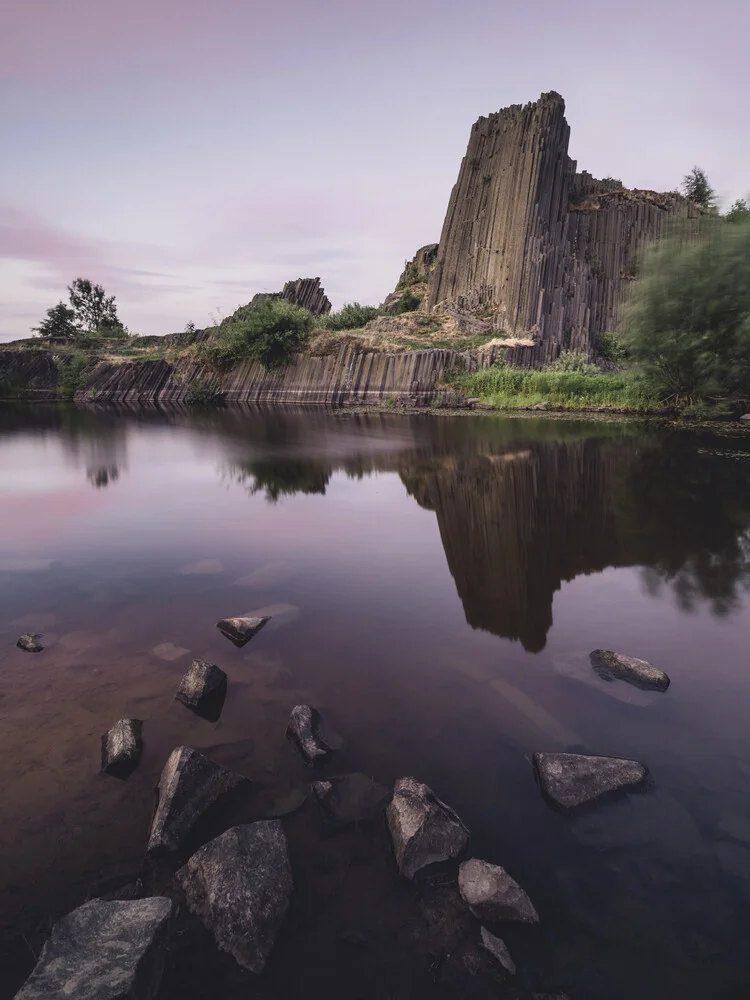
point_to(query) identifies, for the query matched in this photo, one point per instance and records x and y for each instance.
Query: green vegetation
(92, 314)
(739, 212)
(411, 276)
(70, 375)
(351, 316)
(610, 347)
(695, 186)
(202, 393)
(269, 332)
(688, 324)
(408, 302)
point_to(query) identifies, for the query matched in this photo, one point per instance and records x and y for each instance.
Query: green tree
(695, 186)
(688, 323)
(739, 212)
(95, 311)
(58, 324)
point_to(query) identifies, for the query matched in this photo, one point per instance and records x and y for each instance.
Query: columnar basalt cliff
(545, 250)
(305, 292)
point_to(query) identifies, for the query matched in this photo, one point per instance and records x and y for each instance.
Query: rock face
(305, 730)
(616, 666)
(545, 250)
(424, 830)
(414, 277)
(571, 779)
(203, 686)
(241, 630)
(31, 643)
(122, 747)
(190, 783)
(491, 894)
(348, 799)
(498, 949)
(239, 885)
(305, 292)
(104, 951)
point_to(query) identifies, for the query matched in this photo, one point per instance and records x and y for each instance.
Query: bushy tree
(739, 212)
(351, 316)
(269, 332)
(95, 311)
(58, 324)
(695, 186)
(688, 323)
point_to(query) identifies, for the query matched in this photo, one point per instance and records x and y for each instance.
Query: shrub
(688, 323)
(269, 332)
(70, 374)
(408, 302)
(573, 361)
(351, 316)
(612, 348)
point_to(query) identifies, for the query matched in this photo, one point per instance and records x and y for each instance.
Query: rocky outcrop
(189, 785)
(104, 951)
(616, 666)
(28, 374)
(572, 779)
(239, 885)
(122, 747)
(491, 894)
(424, 830)
(305, 292)
(414, 277)
(308, 733)
(31, 642)
(542, 249)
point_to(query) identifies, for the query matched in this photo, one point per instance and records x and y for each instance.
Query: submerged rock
(241, 630)
(313, 739)
(498, 949)
(350, 798)
(571, 779)
(239, 885)
(616, 666)
(122, 747)
(190, 783)
(31, 642)
(491, 894)
(424, 830)
(104, 951)
(203, 688)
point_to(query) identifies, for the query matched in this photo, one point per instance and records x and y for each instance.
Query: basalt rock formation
(542, 249)
(305, 292)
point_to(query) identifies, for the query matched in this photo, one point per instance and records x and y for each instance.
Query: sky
(187, 154)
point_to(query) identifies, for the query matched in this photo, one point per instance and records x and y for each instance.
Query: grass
(507, 388)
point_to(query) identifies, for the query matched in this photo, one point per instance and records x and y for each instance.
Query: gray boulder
(424, 830)
(239, 885)
(616, 666)
(31, 642)
(190, 783)
(491, 894)
(313, 740)
(348, 799)
(202, 688)
(122, 747)
(498, 949)
(572, 779)
(104, 951)
(241, 630)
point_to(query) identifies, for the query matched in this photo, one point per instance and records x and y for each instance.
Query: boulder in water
(31, 642)
(203, 689)
(313, 739)
(572, 779)
(616, 666)
(122, 747)
(239, 885)
(424, 830)
(491, 894)
(348, 799)
(104, 951)
(241, 630)
(498, 949)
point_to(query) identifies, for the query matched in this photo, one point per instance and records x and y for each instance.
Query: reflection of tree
(101, 476)
(279, 477)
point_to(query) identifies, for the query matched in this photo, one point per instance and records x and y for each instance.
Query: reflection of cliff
(515, 525)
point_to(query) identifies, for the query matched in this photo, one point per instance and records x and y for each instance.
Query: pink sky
(188, 154)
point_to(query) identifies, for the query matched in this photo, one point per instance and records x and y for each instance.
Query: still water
(436, 586)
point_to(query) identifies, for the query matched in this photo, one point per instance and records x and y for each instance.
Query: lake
(436, 585)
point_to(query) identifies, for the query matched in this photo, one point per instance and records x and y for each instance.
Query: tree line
(90, 313)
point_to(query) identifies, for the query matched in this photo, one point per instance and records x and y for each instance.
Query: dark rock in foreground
(241, 630)
(348, 799)
(306, 729)
(190, 783)
(30, 642)
(239, 885)
(498, 949)
(491, 894)
(104, 951)
(571, 779)
(202, 688)
(122, 747)
(424, 829)
(616, 666)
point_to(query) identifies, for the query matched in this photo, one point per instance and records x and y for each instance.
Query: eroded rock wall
(305, 292)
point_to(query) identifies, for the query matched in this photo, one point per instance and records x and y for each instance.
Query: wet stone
(241, 630)
(349, 799)
(572, 779)
(122, 747)
(491, 894)
(189, 785)
(616, 666)
(203, 688)
(498, 949)
(31, 642)
(424, 830)
(104, 951)
(239, 885)
(314, 740)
